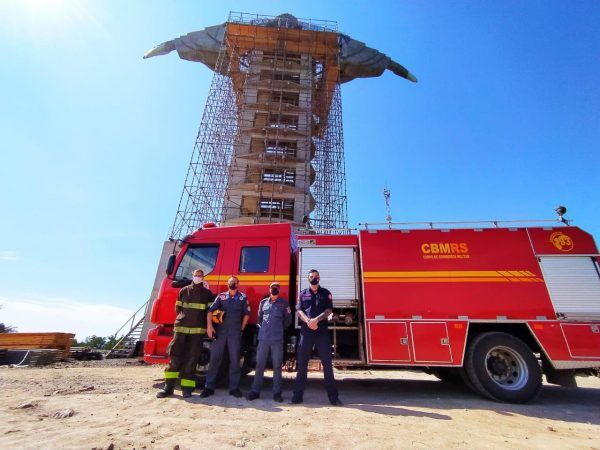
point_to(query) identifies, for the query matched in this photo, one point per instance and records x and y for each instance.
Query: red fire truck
(495, 307)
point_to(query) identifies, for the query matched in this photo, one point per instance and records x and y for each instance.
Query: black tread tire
(475, 368)
(465, 379)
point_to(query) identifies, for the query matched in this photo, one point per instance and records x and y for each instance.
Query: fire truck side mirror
(170, 265)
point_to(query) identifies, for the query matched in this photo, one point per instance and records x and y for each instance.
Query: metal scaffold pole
(270, 145)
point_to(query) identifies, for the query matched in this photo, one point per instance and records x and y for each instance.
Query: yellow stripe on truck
(452, 276)
(252, 279)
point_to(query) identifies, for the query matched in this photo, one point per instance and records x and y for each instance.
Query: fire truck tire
(465, 379)
(503, 368)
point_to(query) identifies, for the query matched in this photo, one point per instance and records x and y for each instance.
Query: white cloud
(8, 255)
(57, 314)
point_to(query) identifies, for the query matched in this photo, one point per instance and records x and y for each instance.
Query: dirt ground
(114, 403)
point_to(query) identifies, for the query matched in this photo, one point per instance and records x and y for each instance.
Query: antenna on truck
(386, 195)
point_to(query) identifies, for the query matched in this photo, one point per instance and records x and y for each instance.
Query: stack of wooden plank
(28, 341)
(37, 357)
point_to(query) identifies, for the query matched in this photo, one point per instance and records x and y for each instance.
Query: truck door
(388, 342)
(254, 265)
(574, 286)
(573, 283)
(337, 268)
(207, 257)
(430, 342)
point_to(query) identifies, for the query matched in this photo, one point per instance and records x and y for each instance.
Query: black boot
(236, 393)
(207, 392)
(186, 392)
(251, 395)
(167, 390)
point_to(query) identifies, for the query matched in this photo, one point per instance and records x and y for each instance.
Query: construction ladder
(126, 345)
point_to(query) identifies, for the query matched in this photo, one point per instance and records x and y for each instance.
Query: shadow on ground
(399, 397)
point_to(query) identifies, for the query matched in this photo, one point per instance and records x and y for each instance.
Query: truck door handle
(595, 329)
(403, 341)
(445, 341)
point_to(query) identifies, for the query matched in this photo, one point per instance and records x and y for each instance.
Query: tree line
(97, 342)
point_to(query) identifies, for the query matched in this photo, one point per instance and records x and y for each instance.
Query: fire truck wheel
(465, 379)
(503, 368)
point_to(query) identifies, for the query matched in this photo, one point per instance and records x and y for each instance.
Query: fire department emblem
(561, 241)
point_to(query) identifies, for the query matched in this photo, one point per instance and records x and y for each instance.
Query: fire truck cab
(497, 308)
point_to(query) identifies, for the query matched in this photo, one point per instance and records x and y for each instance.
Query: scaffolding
(270, 145)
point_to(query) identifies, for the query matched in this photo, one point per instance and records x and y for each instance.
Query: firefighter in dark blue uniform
(228, 334)
(274, 316)
(314, 306)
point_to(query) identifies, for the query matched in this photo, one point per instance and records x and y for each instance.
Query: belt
(191, 305)
(190, 330)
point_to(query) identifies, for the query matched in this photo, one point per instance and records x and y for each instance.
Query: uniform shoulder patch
(223, 295)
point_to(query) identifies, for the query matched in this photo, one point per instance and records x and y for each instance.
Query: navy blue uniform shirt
(235, 308)
(273, 318)
(313, 304)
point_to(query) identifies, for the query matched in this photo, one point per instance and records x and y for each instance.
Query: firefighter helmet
(218, 315)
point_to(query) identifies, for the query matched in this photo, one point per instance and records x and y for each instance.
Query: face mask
(274, 291)
(232, 286)
(314, 281)
(197, 280)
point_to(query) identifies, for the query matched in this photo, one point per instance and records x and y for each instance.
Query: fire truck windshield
(201, 257)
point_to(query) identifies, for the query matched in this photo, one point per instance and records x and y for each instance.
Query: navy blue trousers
(308, 339)
(262, 355)
(217, 349)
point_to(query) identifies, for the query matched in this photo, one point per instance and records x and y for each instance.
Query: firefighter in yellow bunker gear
(189, 333)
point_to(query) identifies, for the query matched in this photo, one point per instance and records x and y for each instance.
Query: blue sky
(503, 124)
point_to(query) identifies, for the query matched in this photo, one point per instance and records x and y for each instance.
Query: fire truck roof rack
(462, 224)
(312, 230)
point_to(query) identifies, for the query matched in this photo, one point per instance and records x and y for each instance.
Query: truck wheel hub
(507, 368)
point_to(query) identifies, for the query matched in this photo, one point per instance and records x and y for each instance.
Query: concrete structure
(270, 146)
